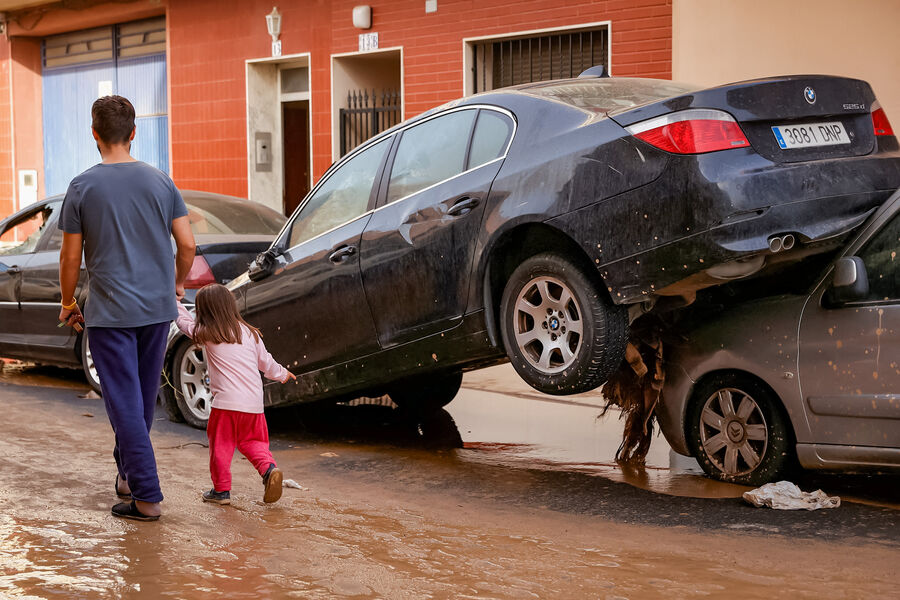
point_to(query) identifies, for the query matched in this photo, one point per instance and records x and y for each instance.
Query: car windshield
(221, 215)
(607, 94)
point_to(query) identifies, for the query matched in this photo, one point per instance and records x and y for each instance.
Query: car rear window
(220, 215)
(608, 94)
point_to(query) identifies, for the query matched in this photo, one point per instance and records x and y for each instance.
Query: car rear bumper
(710, 209)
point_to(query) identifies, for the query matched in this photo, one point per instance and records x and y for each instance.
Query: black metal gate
(502, 63)
(364, 118)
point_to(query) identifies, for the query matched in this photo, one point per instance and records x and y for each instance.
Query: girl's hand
(288, 377)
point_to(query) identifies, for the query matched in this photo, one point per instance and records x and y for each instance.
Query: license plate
(810, 134)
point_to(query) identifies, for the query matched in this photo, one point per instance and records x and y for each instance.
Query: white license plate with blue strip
(810, 134)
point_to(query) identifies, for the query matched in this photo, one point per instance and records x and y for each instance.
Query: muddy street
(507, 494)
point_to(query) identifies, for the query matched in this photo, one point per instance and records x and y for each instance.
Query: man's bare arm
(69, 270)
(185, 247)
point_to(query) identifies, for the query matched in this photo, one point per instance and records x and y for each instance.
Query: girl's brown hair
(218, 319)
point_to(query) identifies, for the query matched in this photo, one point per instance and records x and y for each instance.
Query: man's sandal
(128, 510)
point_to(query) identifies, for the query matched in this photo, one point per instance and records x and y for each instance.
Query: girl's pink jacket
(234, 369)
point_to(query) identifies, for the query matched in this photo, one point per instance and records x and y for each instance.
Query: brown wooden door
(295, 120)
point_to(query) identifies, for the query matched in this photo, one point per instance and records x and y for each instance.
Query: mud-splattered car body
(410, 286)
(831, 366)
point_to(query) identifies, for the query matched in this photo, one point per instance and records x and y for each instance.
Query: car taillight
(880, 121)
(199, 275)
(693, 131)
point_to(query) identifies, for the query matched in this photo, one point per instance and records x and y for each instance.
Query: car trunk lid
(821, 108)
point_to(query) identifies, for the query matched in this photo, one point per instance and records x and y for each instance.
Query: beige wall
(719, 41)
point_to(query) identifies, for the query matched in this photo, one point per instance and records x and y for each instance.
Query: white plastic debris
(784, 495)
(290, 483)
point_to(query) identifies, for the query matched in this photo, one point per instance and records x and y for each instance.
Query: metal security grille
(364, 118)
(501, 63)
(128, 40)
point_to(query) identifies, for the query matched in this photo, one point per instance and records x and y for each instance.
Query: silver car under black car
(811, 377)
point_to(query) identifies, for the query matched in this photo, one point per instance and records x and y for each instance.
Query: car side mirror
(263, 265)
(850, 282)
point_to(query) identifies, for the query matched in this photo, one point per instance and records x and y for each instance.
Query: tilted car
(810, 377)
(229, 233)
(528, 223)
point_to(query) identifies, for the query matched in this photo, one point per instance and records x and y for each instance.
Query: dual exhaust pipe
(777, 243)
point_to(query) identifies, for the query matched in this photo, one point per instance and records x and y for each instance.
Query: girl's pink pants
(230, 429)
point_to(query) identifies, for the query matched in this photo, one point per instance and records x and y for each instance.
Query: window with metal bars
(556, 55)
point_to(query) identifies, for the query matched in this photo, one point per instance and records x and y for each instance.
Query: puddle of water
(500, 427)
(22, 373)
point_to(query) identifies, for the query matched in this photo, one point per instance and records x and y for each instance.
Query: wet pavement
(507, 494)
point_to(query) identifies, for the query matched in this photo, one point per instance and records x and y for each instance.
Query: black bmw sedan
(532, 223)
(229, 233)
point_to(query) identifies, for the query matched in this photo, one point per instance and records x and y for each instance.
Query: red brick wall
(7, 202)
(210, 41)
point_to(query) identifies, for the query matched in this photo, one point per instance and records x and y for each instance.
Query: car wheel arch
(512, 247)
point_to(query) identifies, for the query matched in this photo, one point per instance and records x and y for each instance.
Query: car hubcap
(733, 432)
(195, 382)
(91, 367)
(547, 325)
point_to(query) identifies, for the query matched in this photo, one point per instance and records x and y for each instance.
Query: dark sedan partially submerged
(531, 223)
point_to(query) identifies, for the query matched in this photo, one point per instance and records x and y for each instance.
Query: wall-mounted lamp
(273, 23)
(362, 17)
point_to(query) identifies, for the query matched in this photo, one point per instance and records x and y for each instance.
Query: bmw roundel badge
(810, 95)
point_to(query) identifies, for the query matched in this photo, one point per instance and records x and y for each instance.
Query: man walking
(121, 213)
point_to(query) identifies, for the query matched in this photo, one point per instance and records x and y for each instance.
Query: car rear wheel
(427, 394)
(87, 364)
(561, 333)
(190, 379)
(737, 431)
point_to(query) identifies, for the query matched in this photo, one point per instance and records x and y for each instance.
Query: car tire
(87, 364)
(191, 382)
(426, 395)
(738, 432)
(561, 333)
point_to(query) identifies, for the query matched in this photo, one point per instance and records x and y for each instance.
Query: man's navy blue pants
(129, 362)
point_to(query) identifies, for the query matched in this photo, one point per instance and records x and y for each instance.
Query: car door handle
(341, 253)
(463, 206)
(13, 270)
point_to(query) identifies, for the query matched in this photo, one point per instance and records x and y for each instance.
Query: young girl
(235, 354)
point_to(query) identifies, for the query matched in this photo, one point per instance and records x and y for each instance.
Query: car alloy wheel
(733, 432)
(192, 384)
(548, 326)
(738, 431)
(87, 364)
(560, 330)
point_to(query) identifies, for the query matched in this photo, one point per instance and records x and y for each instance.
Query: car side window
(22, 235)
(55, 235)
(343, 197)
(882, 257)
(430, 152)
(491, 136)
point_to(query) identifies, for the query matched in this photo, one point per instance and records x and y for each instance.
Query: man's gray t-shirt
(124, 212)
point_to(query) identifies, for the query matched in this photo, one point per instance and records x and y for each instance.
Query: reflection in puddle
(506, 428)
(23, 373)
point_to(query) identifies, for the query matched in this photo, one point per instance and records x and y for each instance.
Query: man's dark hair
(112, 117)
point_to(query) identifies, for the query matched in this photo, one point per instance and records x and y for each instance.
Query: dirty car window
(343, 197)
(883, 263)
(22, 236)
(429, 153)
(606, 94)
(218, 215)
(491, 135)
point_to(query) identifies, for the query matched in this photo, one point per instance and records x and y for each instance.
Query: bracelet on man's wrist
(70, 306)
